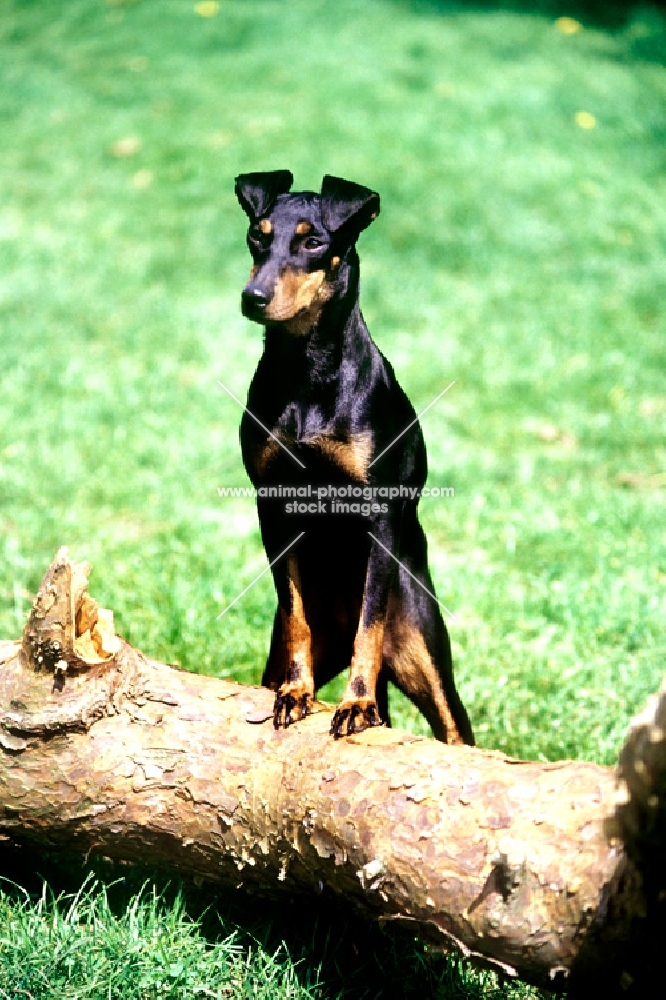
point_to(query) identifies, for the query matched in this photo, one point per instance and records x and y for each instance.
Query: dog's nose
(254, 299)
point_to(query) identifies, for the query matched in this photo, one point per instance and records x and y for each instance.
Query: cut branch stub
(66, 636)
(66, 629)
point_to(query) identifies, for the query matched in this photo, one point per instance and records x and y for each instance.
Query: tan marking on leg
(297, 630)
(296, 694)
(266, 226)
(417, 676)
(367, 659)
(357, 709)
(303, 228)
(352, 456)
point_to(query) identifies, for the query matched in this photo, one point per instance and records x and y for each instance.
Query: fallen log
(538, 870)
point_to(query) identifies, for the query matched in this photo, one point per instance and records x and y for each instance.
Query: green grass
(517, 253)
(145, 941)
(77, 946)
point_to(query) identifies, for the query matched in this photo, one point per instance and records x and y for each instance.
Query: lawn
(519, 151)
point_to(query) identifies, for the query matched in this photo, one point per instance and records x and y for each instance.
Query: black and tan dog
(325, 410)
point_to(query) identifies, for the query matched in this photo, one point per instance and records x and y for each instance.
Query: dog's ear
(258, 192)
(347, 208)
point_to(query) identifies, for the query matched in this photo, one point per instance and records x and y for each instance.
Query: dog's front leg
(358, 709)
(292, 648)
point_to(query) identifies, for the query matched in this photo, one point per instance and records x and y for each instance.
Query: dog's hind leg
(417, 651)
(426, 678)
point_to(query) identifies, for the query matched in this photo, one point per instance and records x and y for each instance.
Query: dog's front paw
(292, 702)
(354, 716)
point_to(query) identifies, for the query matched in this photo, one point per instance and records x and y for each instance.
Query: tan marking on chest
(264, 456)
(351, 456)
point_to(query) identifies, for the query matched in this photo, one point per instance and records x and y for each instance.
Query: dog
(325, 414)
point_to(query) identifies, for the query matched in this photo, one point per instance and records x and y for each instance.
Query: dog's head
(298, 244)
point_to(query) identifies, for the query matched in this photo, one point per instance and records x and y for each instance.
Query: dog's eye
(313, 243)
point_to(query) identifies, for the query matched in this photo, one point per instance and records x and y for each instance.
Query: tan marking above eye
(303, 228)
(266, 226)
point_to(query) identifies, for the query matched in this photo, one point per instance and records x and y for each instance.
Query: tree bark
(538, 870)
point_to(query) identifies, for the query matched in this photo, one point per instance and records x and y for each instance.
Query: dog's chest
(303, 446)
